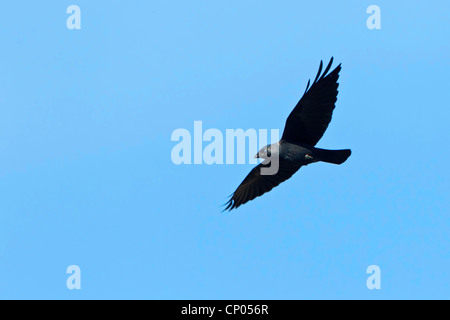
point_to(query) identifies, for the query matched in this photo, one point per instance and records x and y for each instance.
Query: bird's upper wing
(312, 114)
(256, 184)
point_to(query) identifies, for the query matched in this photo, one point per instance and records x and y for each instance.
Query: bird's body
(302, 154)
(305, 154)
(304, 127)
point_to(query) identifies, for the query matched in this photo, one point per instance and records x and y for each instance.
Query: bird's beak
(256, 156)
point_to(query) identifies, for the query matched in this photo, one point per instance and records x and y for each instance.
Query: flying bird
(304, 128)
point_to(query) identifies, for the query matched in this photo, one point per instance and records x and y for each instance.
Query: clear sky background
(86, 176)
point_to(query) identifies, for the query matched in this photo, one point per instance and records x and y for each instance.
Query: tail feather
(333, 156)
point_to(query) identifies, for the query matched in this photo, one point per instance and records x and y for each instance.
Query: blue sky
(86, 176)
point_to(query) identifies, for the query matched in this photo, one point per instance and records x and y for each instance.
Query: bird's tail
(333, 156)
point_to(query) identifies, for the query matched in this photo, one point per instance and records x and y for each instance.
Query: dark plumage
(305, 126)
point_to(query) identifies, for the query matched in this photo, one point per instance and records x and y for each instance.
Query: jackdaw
(304, 127)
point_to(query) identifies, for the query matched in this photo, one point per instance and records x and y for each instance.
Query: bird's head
(267, 151)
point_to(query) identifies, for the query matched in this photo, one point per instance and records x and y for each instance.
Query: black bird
(305, 126)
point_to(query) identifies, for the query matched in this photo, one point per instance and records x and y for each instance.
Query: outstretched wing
(256, 184)
(312, 114)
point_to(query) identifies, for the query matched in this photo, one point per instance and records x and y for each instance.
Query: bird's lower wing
(256, 184)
